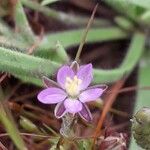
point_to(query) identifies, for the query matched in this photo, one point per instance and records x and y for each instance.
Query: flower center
(72, 86)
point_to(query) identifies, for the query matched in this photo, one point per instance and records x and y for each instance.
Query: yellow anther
(72, 86)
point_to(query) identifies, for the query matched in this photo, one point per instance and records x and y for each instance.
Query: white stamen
(72, 86)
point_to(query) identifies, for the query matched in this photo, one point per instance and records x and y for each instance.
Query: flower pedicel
(71, 91)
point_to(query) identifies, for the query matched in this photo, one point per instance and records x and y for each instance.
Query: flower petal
(75, 66)
(85, 113)
(86, 75)
(60, 110)
(90, 94)
(64, 72)
(51, 95)
(72, 105)
(49, 83)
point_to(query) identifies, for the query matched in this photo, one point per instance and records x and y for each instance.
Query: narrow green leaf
(47, 46)
(61, 16)
(132, 57)
(46, 2)
(124, 23)
(29, 79)
(73, 37)
(23, 64)
(11, 129)
(61, 53)
(9, 37)
(127, 8)
(22, 23)
(146, 17)
(4, 29)
(17, 63)
(145, 3)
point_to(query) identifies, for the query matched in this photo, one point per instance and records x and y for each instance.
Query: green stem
(67, 126)
(83, 39)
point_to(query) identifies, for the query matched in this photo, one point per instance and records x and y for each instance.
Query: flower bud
(28, 125)
(114, 141)
(141, 127)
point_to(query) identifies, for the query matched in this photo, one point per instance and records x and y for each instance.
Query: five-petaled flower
(71, 91)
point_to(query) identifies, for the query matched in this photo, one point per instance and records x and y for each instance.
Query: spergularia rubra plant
(72, 91)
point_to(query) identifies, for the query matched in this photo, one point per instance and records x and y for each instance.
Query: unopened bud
(116, 141)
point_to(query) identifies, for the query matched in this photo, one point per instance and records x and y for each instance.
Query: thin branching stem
(85, 34)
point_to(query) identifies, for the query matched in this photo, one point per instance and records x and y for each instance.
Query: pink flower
(71, 91)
